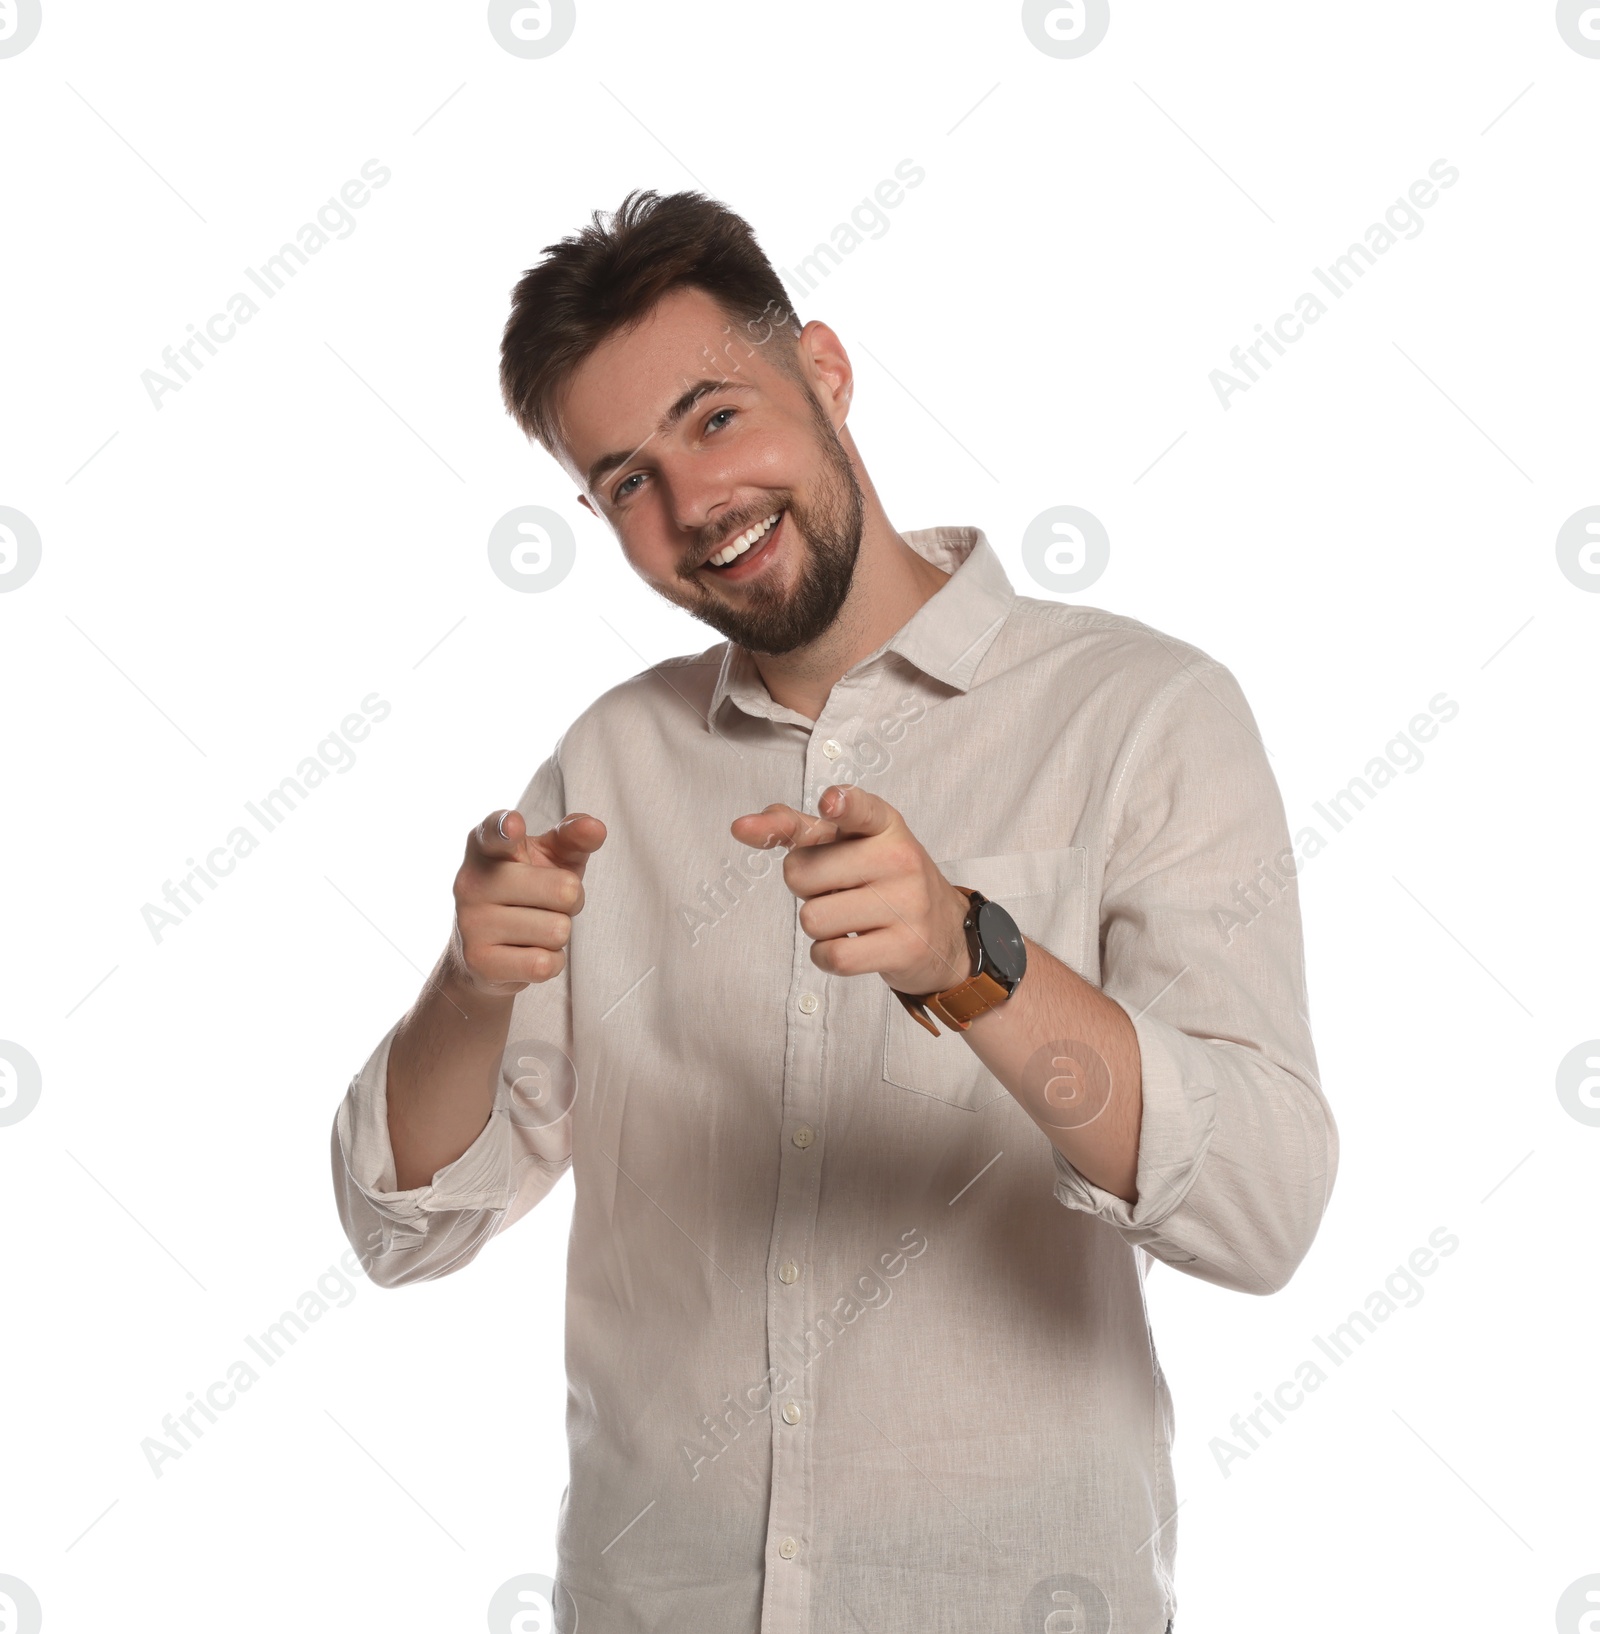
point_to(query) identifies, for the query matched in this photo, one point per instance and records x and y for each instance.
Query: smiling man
(873, 972)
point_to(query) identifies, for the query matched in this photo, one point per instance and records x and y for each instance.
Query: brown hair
(608, 276)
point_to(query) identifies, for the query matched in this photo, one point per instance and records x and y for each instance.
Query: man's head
(657, 360)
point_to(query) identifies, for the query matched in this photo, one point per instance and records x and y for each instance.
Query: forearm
(1070, 1056)
(444, 1067)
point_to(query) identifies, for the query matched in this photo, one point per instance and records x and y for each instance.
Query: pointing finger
(854, 811)
(573, 841)
(779, 824)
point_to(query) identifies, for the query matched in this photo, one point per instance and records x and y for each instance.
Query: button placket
(828, 752)
(786, 1594)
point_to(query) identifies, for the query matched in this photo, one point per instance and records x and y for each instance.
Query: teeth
(737, 547)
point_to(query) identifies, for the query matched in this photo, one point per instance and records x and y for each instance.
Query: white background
(225, 578)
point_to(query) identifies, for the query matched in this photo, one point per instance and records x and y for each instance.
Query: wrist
(995, 963)
(952, 961)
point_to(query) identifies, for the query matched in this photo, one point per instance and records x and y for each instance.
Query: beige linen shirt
(849, 1345)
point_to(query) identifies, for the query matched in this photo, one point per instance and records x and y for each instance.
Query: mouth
(753, 550)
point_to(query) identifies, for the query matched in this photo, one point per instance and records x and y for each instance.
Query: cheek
(777, 457)
(648, 549)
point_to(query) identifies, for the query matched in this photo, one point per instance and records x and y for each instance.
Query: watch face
(1004, 953)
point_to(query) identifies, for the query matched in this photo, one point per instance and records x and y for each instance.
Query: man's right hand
(515, 896)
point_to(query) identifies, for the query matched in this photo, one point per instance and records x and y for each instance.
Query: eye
(718, 415)
(623, 490)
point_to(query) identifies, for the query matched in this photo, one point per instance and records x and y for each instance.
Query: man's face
(744, 442)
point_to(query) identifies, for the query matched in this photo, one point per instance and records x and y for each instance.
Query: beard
(828, 528)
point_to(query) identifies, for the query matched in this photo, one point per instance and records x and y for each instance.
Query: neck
(891, 581)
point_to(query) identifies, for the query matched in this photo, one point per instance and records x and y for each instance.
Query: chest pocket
(1046, 892)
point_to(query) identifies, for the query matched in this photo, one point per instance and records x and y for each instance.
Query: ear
(822, 355)
(583, 500)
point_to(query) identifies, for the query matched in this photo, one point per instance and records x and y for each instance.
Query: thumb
(571, 842)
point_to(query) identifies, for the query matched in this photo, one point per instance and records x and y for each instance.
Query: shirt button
(791, 1412)
(788, 1548)
(808, 1003)
(788, 1271)
(831, 749)
(804, 1135)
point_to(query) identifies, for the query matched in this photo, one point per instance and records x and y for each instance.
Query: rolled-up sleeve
(523, 1149)
(1201, 944)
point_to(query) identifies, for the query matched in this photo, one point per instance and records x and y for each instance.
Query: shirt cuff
(1176, 1124)
(479, 1179)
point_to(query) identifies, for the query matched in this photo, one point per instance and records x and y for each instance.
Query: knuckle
(475, 881)
(899, 857)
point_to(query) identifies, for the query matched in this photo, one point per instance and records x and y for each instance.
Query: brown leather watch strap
(957, 1006)
(961, 1005)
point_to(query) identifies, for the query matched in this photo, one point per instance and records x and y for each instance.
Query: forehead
(616, 397)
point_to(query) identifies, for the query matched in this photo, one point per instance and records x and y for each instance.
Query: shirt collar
(947, 637)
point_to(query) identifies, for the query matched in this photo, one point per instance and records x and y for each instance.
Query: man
(855, 1332)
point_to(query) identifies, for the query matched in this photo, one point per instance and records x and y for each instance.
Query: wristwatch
(999, 958)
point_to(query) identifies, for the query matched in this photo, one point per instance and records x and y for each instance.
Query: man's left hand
(872, 898)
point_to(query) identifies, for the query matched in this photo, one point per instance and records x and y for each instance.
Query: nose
(700, 491)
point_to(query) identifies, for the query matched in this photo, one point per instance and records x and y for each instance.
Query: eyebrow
(609, 462)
